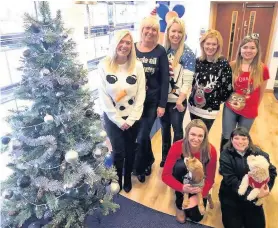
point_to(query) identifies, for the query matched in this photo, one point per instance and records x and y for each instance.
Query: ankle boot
(127, 183)
(120, 178)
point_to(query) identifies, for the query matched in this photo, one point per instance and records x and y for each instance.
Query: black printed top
(211, 85)
(156, 69)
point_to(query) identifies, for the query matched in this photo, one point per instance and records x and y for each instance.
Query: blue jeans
(231, 120)
(171, 117)
(144, 154)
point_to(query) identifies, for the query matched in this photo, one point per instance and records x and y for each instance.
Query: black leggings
(208, 122)
(179, 171)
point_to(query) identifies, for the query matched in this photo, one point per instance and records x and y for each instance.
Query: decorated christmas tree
(56, 145)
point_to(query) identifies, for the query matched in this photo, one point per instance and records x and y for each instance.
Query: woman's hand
(180, 107)
(125, 126)
(264, 191)
(187, 188)
(160, 111)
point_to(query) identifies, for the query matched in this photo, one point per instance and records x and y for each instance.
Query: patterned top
(183, 73)
(245, 99)
(122, 95)
(212, 85)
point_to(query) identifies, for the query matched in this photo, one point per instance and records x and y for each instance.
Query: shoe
(148, 170)
(127, 187)
(180, 216)
(141, 178)
(162, 163)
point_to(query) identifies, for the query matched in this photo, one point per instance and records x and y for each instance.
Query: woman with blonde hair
(122, 94)
(212, 81)
(195, 144)
(182, 67)
(155, 62)
(250, 77)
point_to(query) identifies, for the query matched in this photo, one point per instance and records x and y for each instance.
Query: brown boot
(180, 216)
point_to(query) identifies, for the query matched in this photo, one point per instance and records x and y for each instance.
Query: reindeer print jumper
(212, 85)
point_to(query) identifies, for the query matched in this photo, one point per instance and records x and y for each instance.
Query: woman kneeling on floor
(195, 144)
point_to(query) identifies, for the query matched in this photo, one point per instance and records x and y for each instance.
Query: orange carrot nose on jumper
(120, 95)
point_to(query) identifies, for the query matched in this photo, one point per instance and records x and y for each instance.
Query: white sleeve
(138, 106)
(187, 78)
(106, 103)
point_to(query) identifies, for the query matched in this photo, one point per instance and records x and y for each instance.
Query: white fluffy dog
(257, 177)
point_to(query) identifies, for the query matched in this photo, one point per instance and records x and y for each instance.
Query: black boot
(141, 178)
(223, 143)
(120, 178)
(127, 182)
(148, 170)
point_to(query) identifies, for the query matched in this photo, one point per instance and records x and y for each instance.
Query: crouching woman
(237, 211)
(195, 144)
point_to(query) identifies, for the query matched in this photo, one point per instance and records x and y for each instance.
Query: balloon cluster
(166, 15)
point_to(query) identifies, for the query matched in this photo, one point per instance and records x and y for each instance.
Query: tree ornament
(7, 194)
(47, 215)
(5, 140)
(44, 72)
(12, 213)
(75, 86)
(40, 194)
(27, 53)
(105, 182)
(113, 188)
(103, 133)
(71, 157)
(48, 118)
(108, 160)
(88, 112)
(60, 94)
(97, 153)
(24, 181)
(16, 144)
(35, 28)
(65, 36)
(63, 167)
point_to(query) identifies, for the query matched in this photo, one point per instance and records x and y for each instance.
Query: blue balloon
(162, 10)
(108, 160)
(179, 9)
(163, 25)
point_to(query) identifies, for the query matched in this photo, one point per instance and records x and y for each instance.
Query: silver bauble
(113, 188)
(48, 118)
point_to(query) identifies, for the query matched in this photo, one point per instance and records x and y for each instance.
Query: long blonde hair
(110, 59)
(256, 66)
(205, 146)
(167, 43)
(150, 21)
(211, 33)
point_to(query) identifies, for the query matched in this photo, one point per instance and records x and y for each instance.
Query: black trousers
(238, 214)
(208, 122)
(144, 154)
(171, 117)
(179, 171)
(123, 145)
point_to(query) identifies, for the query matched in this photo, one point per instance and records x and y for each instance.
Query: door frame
(270, 46)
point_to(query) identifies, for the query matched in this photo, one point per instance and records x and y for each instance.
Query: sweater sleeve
(167, 173)
(106, 101)
(140, 96)
(226, 81)
(210, 171)
(164, 74)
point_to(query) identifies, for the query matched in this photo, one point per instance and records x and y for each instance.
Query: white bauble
(48, 118)
(71, 157)
(113, 188)
(97, 153)
(103, 134)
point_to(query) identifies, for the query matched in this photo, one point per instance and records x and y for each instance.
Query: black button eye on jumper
(131, 101)
(111, 79)
(122, 108)
(131, 79)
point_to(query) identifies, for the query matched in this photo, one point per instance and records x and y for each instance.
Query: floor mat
(135, 215)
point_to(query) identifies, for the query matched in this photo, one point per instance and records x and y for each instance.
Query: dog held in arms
(196, 178)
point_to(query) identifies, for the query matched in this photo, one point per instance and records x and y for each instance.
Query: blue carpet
(135, 215)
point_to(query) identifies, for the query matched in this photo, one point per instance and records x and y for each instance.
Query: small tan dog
(195, 178)
(257, 177)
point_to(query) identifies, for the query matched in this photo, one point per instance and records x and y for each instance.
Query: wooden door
(236, 20)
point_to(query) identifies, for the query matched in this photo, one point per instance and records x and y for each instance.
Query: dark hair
(241, 131)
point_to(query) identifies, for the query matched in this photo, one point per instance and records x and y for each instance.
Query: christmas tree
(56, 144)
